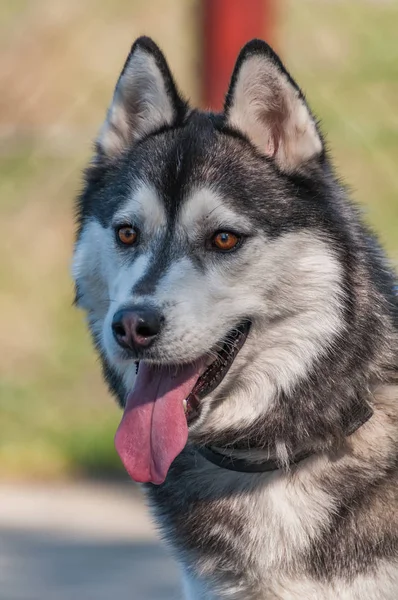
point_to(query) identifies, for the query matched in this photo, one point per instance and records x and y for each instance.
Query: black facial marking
(161, 258)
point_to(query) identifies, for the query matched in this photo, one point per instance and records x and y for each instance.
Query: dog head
(209, 252)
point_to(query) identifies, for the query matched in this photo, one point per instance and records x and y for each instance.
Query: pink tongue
(153, 430)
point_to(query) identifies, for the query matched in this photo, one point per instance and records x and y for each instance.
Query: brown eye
(127, 235)
(225, 240)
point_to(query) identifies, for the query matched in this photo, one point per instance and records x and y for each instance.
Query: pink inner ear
(272, 146)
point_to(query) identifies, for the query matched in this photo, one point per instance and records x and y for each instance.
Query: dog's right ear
(145, 99)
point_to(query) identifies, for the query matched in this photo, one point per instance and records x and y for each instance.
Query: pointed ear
(144, 100)
(266, 104)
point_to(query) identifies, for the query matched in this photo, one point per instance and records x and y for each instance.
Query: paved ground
(80, 542)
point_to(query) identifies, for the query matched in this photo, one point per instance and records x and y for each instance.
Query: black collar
(243, 465)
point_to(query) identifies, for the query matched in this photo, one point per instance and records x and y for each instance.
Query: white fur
(90, 268)
(276, 499)
(379, 585)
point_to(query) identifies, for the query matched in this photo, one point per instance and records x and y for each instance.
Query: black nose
(136, 327)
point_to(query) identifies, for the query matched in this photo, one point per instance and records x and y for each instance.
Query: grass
(57, 417)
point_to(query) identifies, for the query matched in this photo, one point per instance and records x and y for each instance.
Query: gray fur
(321, 355)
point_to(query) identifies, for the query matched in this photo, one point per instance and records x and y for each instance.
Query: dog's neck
(253, 461)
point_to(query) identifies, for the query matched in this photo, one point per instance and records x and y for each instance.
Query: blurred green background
(58, 64)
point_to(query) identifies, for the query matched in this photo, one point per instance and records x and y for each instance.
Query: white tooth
(184, 403)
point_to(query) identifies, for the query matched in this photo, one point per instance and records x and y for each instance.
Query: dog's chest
(236, 528)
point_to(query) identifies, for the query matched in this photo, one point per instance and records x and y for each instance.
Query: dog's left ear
(265, 104)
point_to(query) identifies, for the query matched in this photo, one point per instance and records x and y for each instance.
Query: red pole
(228, 25)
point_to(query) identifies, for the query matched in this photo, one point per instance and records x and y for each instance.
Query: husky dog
(247, 324)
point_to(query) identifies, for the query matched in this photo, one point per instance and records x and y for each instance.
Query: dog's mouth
(221, 361)
(164, 402)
